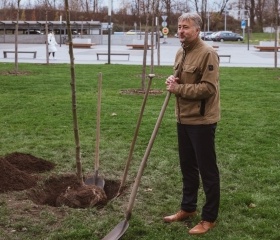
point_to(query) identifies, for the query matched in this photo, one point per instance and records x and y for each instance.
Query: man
(196, 87)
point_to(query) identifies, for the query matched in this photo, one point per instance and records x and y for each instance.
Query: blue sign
(243, 24)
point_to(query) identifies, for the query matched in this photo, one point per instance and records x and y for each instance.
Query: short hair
(191, 16)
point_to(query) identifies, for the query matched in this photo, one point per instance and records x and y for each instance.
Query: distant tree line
(260, 13)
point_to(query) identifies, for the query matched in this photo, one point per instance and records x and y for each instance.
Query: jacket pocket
(189, 68)
(190, 74)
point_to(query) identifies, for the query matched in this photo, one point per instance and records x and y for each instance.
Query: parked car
(133, 32)
(227, 36)
(210, 36)
(203, 35)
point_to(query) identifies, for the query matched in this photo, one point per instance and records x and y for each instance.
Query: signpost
(243, 26)
(165, 30)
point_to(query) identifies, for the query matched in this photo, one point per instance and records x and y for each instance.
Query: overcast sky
(105, 2)
(116, 3)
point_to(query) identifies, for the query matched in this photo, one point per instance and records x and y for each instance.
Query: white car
(133, 32)
(203, 35)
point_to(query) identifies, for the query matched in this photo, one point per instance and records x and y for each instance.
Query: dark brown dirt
(20, 171)
(12, 179)
(28, 163)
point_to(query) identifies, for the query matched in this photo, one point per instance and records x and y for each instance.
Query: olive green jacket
(198, 91)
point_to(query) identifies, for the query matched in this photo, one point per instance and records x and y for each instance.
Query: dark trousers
(198, 157)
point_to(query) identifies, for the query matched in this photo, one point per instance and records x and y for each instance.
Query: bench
(138, 46)
(266, 48)
(225, 56)
(211, 43)
(83, 45)
(33, 52)
(116, 54)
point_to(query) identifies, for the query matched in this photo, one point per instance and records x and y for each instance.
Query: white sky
(212, 4)
(105, 2)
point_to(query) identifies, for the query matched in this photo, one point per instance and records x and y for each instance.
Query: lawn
(36, 118)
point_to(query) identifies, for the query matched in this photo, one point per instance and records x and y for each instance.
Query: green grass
(256, 37)
(36, 118)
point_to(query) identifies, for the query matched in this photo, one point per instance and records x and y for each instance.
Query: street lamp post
(248, 32)
(225, 19)
(60, 22)
(208, 21)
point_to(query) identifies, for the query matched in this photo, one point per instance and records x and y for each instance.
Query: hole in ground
(19, 171)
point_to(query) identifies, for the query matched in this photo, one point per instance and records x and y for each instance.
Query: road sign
(243, 24)
(164, 24)
(165, 30)
(164, 18)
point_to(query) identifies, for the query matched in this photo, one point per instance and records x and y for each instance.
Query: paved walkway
(240, 55)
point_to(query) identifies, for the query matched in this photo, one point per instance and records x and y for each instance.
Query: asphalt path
(241, 54)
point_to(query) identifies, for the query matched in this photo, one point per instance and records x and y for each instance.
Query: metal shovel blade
(97, 181)
(118, 231)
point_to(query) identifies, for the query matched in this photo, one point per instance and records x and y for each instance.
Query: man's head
(189, 25)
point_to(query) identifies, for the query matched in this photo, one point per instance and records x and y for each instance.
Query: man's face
(187, 32)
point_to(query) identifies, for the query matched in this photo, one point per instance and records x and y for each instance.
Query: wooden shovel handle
(98, 112)
(145, 158)
(151, 76)
(147, 152)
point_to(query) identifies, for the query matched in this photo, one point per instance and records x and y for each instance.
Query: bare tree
(148, 7)
(147, 10)
(16, 38)
(46, 6)
(74, 101)
(259, 13)
(276, 24)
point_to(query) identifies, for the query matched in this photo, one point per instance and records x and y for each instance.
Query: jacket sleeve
(198, 91)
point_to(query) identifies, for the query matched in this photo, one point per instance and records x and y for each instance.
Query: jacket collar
(188, 47)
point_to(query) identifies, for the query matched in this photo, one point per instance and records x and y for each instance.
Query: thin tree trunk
(145, 54)
(276, 34)
(152, 41)
(16, 39)
(47, 33)
(74, 102)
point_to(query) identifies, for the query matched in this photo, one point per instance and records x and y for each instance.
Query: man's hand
(171, 82)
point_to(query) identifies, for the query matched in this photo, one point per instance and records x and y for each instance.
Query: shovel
(120, 229)
(97, 180)
(151, 76)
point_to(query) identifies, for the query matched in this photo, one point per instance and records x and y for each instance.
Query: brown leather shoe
(202, 228)
(179, 216)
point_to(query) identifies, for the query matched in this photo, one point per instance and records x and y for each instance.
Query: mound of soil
(12, 179)
(29, 163)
